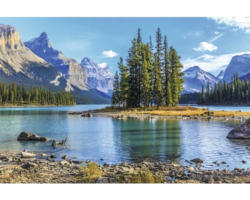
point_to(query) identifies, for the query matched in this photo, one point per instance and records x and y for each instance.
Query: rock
(197, 160)
(86, 115)
(27, 155)
(244, 162)
(223, 162)
(44, 155)
(77, 162)
(26, 136)
(29, 165)
(241, 132)
(65, 157)
(64, 162)
(87, 161)
(52, 156)
(191, 169)
(63, 142)
(54, 144)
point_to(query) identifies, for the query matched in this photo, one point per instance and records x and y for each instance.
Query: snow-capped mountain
(99, 75)
(221, 75)
(239, 64)
(195, 77)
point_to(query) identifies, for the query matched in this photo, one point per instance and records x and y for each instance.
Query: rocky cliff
(74, 74)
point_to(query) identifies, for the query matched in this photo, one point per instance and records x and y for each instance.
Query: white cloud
(212, 64)
(237, 23)
(205, 46)
(109, 54)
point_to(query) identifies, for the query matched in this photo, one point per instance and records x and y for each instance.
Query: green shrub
(90, 172)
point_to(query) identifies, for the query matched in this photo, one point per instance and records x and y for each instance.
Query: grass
(175, 111)
(90, 173)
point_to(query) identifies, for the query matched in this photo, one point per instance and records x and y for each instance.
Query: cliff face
(74, 74)
(19, 64)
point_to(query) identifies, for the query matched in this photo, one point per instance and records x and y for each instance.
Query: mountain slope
(99, 76)
(19, 64)
(74, 74)
(195, 77)
(245, 77)
(220, 75)
(239, 64)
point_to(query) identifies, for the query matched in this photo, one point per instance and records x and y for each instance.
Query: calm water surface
(121, 140)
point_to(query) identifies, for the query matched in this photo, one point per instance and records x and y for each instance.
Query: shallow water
(122, 140)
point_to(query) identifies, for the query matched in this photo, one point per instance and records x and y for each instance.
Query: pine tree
(116, 100)
(176, 76)
(159, 49)
(133, 62)
(167, 72)
(146, 87)
(124, 84)
(157, 90)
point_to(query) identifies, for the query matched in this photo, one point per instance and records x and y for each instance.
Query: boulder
(27, 155)
(26, 136)
(63, 142)
(54, 144)
(241, 132)
(197, 160)
(86, 115)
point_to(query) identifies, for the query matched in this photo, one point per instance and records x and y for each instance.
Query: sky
(209, 43)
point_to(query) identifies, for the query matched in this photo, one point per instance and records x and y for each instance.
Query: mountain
(239, 64)
(20, 65)
(74, 74)
(220, 75)
(99, 76)
(195, 77)
(245, 77)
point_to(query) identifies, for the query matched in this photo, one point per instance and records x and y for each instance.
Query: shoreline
(178, 113)
(42, 168)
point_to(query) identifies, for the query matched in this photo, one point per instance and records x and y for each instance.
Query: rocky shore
(17, 167)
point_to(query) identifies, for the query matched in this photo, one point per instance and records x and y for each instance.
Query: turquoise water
(115, 140)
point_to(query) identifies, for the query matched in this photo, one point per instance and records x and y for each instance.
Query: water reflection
(156, 139)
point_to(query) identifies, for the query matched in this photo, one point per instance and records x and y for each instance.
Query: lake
(116, 141)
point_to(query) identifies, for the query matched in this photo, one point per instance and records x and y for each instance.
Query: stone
(197, 160)
(52, 156)
(77, 162)
(27, 155)
(54, 144)
(244, 161)
(241, 132)
(29, 165)
(65, 157)
(44, 155)
(86, 115)
(64, 162)
(27, 136)
(63, 142)
(191, 169)
(223, 162)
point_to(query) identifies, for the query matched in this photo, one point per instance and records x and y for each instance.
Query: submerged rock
(86, 115)
(241, 132)
(27, 155)
(26, 136)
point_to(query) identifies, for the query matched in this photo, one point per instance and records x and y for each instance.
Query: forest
(237, 92)
(152, 74)
(14, 94)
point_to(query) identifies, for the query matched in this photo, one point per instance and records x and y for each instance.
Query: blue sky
(207, 42)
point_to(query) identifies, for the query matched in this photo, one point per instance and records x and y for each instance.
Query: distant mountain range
(37, 63)
(99, 76)
(195, 77)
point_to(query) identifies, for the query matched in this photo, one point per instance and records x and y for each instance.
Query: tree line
(152, 74)
(19, 95)
(234, 93)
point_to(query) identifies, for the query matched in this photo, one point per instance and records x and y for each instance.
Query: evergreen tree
(116, 100)
(167, 73)
(146, 87)
(124, 82)
(159, 49)
(176, 76)
(157, 90)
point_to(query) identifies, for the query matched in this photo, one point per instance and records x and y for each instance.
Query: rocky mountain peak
(9, 39)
